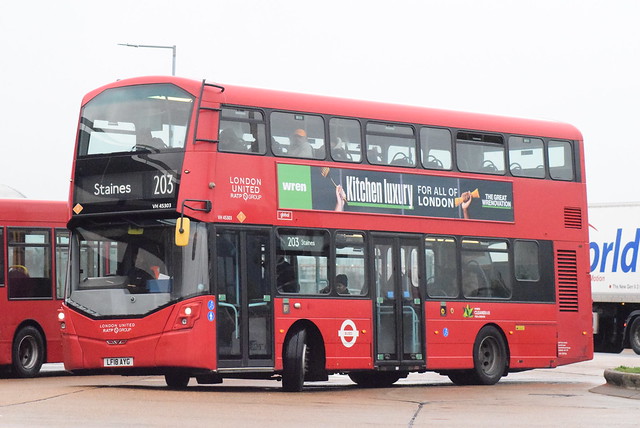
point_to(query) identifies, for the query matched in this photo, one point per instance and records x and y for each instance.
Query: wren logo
(609, 256)
(294, 187)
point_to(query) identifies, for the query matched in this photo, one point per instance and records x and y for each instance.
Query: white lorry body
(614, 236)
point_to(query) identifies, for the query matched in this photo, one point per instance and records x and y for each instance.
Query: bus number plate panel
(118, 362)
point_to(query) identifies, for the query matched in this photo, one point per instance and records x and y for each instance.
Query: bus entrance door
(398, 309)
(245, 309)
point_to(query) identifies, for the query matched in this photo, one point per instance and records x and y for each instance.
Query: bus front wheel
(177, 380)
(295, 362)
(27, 352)
(373, 379)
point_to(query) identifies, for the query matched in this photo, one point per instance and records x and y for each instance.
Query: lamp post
(173, 48)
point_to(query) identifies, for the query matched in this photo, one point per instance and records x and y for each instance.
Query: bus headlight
(61, 317)
(187, 315)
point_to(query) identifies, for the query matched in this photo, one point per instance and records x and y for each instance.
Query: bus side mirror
(183, 226)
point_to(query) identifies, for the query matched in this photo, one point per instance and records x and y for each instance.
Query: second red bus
(34, 245)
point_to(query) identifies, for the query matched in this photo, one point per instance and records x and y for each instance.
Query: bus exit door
(245, 309)
(398, 301)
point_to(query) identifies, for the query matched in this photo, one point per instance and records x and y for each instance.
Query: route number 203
(163, 184)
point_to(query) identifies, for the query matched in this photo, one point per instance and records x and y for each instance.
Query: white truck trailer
(615, 275)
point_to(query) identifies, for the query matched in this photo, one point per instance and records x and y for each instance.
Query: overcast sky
(575, 61)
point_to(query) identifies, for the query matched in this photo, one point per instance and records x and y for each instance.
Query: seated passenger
(373, 155)
(18, 271)
(230, 142)
(299, 145)
(338, 151)
(342, 283)
(286, 277)
(145, 141)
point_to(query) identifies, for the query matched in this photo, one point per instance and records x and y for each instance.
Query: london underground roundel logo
(348, 333)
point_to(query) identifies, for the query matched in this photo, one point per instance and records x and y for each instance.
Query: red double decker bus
(34, 246)
(221, 231)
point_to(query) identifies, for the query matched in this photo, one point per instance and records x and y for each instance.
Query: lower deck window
(302, 261)
(29, 255)
(485, 269)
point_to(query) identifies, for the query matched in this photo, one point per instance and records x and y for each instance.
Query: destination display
(306, 243)
(341, 189)
(134, 183)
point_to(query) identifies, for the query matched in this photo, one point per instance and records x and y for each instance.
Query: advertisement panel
(340, 189)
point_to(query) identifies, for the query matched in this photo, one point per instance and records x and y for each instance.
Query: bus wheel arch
(303, 356)
(28, 350)
(634, 334)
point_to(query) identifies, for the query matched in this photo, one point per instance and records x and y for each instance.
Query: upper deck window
(297, 135)
(560, 160)
(526, 157)
(480, 153)
(346, 141)
(390, 144)
(435, 144)
(135, 118)
(242, 131)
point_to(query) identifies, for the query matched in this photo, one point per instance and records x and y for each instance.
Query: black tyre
(462, 377)
(177, 380)
(295, 362)
(634, 335)
(371, 379)
(27, 353)
(489, 356)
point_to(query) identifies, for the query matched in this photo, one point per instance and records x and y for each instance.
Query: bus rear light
(187, 316)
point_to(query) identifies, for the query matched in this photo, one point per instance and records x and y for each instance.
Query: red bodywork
(538, 335)
(42, 313)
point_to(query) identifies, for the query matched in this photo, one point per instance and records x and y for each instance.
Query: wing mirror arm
(183, 225)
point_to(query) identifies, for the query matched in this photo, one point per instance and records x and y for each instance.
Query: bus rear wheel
(634, 335)
(27, 352)
(489, 356)
(489, 360)
(295, 362)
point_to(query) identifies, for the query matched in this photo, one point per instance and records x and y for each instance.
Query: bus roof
(33, 212)
(320, 104)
